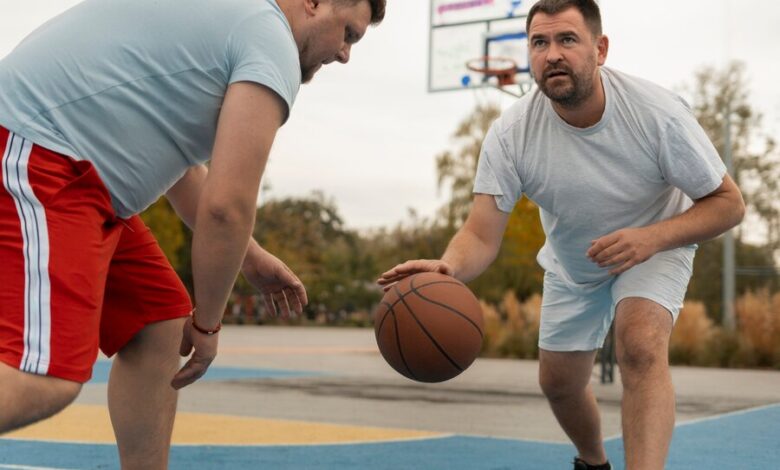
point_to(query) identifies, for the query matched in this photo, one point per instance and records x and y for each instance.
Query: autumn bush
(512, 327)
(512, 330)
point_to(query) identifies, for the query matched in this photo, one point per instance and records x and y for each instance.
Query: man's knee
(643, 329)
(160, 338)
(564, 375)
(26, 398)
(156, 345)
(642, 359)
(63, 392)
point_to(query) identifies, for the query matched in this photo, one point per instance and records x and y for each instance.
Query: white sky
(367, 133)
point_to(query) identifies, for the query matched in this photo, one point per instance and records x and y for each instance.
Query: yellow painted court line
(89, 423)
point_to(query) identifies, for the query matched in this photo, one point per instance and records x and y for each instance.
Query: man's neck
(587, 113)
(293, 11)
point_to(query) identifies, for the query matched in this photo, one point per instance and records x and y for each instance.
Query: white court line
(725, 415)
(515, 439)
(710, 418)
(27, 467)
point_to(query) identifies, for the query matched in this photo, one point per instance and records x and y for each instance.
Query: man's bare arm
(470, 251)
(709, 216)
(225, 212)
(184, 195)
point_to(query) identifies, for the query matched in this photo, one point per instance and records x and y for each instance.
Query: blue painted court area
(101, 369)
(742, 440)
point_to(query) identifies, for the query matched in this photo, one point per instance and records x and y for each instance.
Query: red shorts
(73, 276)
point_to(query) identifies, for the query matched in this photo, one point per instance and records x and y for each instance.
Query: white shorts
(577, 317)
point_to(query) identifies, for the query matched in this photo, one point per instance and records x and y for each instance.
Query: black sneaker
(580, 464)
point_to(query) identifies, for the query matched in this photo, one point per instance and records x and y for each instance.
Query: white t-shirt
(136, 86)
(643, 162)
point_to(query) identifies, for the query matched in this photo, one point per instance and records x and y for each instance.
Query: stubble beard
(572, 94)
(307, 71)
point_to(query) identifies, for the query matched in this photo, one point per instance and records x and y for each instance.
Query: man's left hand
(623, 249)
(278, 284)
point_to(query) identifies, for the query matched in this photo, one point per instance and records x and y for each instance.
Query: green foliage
(167, 229)
(515, 268)
(334, 263)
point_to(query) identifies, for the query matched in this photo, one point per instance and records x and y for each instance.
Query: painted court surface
(323, 398)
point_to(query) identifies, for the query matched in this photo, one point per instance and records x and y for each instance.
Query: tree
(715, 94)
(515, 267)
(169, 231)
(458, 168)
(308, 234)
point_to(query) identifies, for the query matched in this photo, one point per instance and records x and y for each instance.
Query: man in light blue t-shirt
(627, 183)
(103, 109)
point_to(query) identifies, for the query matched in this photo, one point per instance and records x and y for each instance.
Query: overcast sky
(367, 133)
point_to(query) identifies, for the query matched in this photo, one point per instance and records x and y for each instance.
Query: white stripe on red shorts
(35, 236)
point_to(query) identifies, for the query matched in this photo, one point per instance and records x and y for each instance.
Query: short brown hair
(588, 8)
(377, 8)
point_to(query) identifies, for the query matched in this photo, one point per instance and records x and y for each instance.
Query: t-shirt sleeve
(687, 158)
(261, 50)
(497, 174)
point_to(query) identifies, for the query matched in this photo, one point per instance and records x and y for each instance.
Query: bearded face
(566, 86)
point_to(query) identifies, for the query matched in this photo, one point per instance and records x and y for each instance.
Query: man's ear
(603, 46)
(311, 6)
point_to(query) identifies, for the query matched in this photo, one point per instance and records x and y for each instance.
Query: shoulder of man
(527, 110)
(644, 95)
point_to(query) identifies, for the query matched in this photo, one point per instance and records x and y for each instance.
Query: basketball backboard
(464, 31)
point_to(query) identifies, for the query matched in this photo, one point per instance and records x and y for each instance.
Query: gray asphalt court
(323, 398)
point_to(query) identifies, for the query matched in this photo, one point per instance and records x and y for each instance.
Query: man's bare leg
(565, 380)
(642, 330)
(141, 401)
(26, 398)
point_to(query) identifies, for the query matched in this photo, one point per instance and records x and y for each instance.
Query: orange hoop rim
(502, 68)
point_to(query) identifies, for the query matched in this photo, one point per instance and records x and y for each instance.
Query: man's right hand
(387, 279)
(205, 350)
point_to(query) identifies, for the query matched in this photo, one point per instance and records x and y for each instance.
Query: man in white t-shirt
(626, 182)
(104, 109)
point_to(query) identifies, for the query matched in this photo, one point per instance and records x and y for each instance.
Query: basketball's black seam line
(382, 322)
(398, 341)
(428, 334)
(419, 294)
(401, 296)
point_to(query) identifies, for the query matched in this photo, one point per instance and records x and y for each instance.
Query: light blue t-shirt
(136, 86)
(643, 162)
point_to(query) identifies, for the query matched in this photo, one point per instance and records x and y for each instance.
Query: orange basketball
(429, 327)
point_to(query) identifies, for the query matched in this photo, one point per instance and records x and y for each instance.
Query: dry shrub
(692, 335)
(512, 330)
(758, 320)
(491, 329)
(512, 327)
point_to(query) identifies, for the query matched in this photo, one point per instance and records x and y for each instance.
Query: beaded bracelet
(203, 330)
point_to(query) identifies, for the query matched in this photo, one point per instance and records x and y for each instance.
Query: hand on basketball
(623, 249)
(282, 291)
(205, 350)
(388, 278)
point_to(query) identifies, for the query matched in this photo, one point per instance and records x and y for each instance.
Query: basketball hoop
(503, 68)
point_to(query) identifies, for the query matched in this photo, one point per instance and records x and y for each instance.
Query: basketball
(429, 327)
